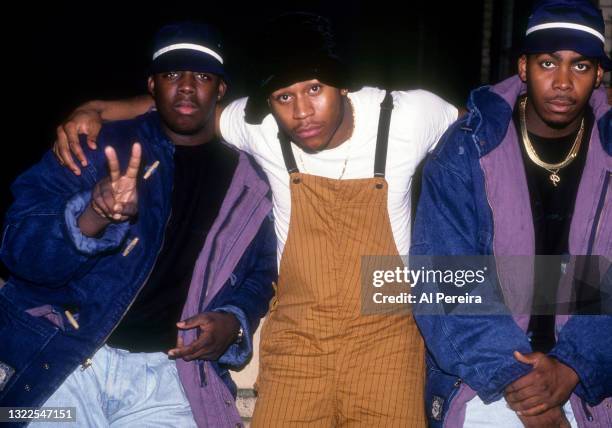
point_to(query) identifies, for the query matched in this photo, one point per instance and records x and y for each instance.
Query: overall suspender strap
(288, 157)
(382, 139)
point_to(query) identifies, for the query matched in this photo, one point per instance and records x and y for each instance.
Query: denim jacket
(475, 201)
(55, 267)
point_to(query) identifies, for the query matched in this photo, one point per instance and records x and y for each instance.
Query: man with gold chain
(527, 172)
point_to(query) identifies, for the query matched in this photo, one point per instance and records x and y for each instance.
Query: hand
(552, 418)
(217, 331)
(81, 121)
(114, 198)
(548, 385)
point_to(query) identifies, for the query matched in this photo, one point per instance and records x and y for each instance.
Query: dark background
(56, 58)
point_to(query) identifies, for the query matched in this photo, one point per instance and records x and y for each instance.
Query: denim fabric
(55, 267)
(121, 389)
(457, 215)
(499, 415)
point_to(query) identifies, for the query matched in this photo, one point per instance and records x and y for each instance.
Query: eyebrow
(579, 58)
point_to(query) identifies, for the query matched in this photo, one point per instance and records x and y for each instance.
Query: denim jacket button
(45, 366)
(27, 387)
(457, 383)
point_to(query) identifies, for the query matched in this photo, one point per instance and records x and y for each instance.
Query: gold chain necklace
(553, 168)
(348, 148)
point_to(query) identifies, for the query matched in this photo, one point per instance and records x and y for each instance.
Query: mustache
(307, 126)
(190, 102)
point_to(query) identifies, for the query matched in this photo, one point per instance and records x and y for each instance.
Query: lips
(560, 105)
(185, 107)
(309, 131)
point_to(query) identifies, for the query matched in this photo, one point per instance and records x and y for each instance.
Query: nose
(563, 79)
(302, 108)
(187, 83)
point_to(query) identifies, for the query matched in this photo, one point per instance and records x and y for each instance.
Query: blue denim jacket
(54, 267)
(475, 201)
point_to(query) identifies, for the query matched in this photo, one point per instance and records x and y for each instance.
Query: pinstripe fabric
(322, 363)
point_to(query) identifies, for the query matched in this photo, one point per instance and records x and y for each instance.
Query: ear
(221, 89)
(522, 68)
(599, 76)
(151, 86)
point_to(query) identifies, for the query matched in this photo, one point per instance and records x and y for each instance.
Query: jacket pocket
(23, 337)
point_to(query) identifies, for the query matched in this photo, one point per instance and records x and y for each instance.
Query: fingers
(62, 148)
(129, 209)
(198, 349)
(102, 199)
(108, 199)
(524, 394)
(179, 345)
(519, 384)
(113, 164)
(185, 351)
(535, 410)
(118, 211)
(193, 322)
(92, 131)
(74, 143)
(56, 154)
(134, 164)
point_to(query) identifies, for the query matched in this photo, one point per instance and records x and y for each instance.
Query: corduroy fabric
(323, 363)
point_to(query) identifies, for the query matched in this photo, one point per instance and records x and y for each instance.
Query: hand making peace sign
(116, 197)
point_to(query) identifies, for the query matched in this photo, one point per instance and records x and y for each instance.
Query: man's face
(559, 85)
(309, 112)
(186, 100)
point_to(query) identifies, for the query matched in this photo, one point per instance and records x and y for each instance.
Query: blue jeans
(121, 389)
(499, 415)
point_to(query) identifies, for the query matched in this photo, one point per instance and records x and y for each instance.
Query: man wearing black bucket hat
(154, 281)
(340, 164)
(527, 172)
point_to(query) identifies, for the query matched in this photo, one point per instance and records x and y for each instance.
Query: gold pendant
(554, 178)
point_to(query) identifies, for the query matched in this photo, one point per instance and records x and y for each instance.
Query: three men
(321, 358)
(106, 264)
(527, 172)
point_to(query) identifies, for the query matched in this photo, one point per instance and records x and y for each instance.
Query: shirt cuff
(238, 354)
(113, 235)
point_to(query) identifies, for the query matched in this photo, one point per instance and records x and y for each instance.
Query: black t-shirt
(552, 208)
(202, 175)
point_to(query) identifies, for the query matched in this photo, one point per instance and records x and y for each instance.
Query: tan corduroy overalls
(323, 363)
